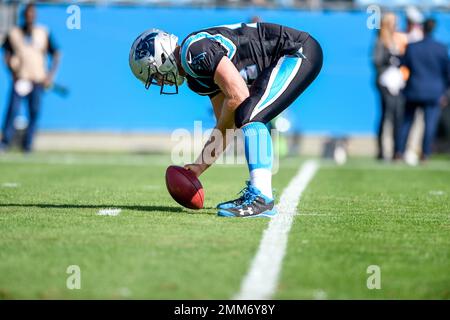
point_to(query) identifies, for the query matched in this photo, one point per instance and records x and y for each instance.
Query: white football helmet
(152, 59)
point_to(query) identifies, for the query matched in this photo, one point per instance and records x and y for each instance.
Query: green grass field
(352, 216)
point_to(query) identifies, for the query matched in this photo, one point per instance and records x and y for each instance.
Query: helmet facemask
(165, 74)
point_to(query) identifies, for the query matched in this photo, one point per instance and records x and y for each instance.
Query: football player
(251, 73)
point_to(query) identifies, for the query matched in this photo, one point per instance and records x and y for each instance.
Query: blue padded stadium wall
(105, 96)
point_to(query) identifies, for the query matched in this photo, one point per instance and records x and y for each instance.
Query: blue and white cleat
(252, 204)
(235, 202)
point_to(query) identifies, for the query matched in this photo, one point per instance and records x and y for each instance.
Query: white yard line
(262, 278)
(10, 185)
(109, 212)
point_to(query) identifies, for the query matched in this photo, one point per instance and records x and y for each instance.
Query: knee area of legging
(239, 119)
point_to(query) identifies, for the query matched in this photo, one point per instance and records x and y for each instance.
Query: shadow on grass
(146, 208)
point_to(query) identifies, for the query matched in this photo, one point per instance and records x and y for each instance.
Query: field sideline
(349, 217)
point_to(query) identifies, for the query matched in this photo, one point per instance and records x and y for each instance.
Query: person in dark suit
(429, 66)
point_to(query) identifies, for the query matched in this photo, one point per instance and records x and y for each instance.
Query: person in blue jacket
(429, 66)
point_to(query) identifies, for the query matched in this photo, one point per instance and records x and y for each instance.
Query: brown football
(184, 187)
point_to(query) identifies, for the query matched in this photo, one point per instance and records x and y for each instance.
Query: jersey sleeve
(200, 58)
(203, 86)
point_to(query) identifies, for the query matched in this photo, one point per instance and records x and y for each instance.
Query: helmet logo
(146, 47)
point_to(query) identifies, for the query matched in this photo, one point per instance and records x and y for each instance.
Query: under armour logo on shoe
(249, 210)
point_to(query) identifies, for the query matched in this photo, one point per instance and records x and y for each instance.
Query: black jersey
(251, 47)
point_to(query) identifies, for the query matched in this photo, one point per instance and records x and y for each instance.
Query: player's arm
(233, 87)
(55, 60)
(217, 102)
(8, 54)
(234, 92)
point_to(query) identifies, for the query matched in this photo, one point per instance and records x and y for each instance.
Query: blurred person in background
(25, 50)
(414, 33)
(429, 67)
(389, 47)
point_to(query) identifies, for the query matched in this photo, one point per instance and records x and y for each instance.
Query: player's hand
(197, 169)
